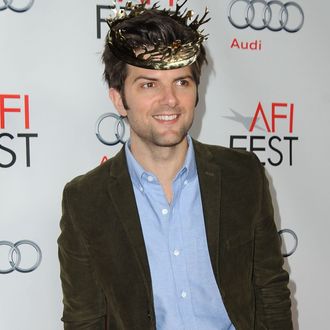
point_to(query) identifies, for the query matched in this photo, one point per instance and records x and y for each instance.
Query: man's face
(160, 104)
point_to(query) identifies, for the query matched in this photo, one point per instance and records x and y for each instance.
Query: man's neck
(164, 162)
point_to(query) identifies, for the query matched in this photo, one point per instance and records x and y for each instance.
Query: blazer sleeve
(83, 299)
(273, 304)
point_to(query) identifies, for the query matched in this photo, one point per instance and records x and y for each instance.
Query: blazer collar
(121, 193)
(210, 186)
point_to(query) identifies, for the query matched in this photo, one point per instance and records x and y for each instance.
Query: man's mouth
(166, 117)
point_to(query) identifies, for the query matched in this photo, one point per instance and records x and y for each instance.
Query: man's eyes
(148, 84)
(182, 82)
(153, 84)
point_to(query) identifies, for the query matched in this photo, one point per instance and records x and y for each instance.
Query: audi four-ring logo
(265, 18)
(294, 237)
(9, 4)
(118, 129)
(15, 257)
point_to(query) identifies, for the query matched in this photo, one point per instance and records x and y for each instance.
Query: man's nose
(169, 97)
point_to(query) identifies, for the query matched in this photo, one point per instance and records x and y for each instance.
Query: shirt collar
(187, 172)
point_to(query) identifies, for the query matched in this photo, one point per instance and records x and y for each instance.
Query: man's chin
(169, 141)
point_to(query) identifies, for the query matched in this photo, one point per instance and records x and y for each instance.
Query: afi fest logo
(272, 147)
(260, 15)
(103, 11)
(15, 110)
(16, 5)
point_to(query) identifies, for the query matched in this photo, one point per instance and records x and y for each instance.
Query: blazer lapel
(210, 182)
(121, 193)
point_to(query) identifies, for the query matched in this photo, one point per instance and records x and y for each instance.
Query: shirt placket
(178, 258)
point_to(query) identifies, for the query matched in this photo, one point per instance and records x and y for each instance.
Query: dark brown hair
(151, 27)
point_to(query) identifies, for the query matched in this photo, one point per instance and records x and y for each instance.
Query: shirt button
(183, 294)
(185, 182)
(150, 178)
(176, 252)
(164, 211)
(141, 188)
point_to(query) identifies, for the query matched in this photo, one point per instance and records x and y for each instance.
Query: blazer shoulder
(95, 179)
(226, 157)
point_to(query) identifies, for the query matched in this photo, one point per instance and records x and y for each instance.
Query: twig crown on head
(156, 55)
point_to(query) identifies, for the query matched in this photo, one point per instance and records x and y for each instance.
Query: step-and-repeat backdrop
(266, 89)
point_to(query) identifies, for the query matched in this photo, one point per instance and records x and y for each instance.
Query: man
(169, 234)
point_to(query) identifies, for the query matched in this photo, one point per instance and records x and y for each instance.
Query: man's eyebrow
(184, 77)
(144, 78)
(156, 79)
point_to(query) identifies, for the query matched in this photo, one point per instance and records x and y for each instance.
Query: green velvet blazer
(104, 267)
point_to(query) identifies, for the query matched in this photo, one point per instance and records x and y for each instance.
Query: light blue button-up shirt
(185, 292)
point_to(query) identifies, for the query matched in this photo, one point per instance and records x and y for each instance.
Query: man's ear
(117, 101)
